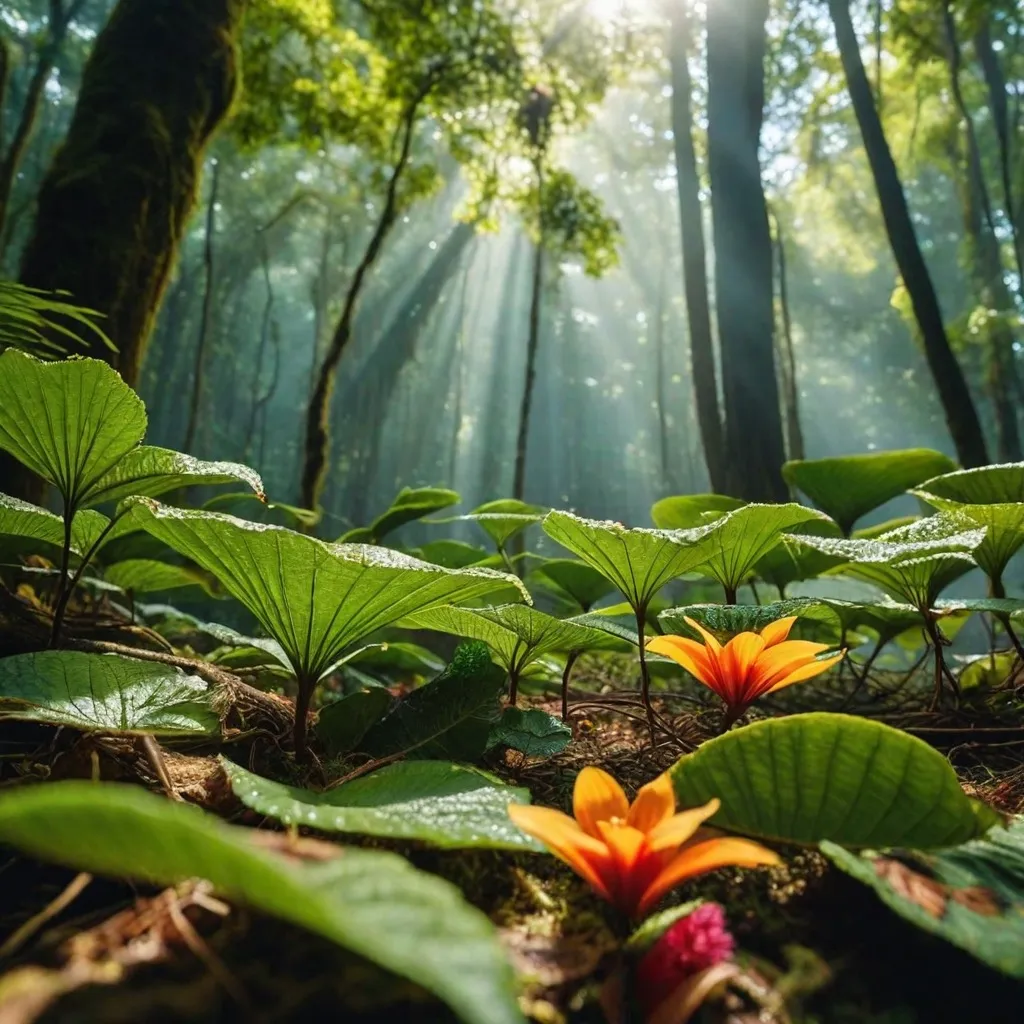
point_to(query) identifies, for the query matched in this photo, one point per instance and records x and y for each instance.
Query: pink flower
(691, 945)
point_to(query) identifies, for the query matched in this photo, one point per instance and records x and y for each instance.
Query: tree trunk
(114, 203)
(995, 82)
(794, 431)
(744, 272)
(957, 403)
(204, 319)
(695, 278)
(314, 466)
(532, 344)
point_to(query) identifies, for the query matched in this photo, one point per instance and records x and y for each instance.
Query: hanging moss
(114, 203)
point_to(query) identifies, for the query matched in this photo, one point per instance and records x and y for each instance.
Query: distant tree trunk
(204, 319)
(695, 278)
(744, 292)
(532, 344)
(113, 205)
(60, 16)
(955, 396)
(314, 464)
(791, 389)
(666, 484)
(995, 81)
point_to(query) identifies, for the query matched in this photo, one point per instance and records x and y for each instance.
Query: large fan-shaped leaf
(747, 535)
(726, 620)
(373, 903)
(580, 582)
(104, 692)
(314, 598)
(850, 486)
(639, 562)
(501, 520)
(437, 802)
(913, 563)
(69, 422)
(971, 895)
(23, 519)
(153, 471)
(148, 576)
(993, 497)
(812, 777)
(410, 504)
(685, 511)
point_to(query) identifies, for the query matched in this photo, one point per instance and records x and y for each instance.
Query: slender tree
(954, 394)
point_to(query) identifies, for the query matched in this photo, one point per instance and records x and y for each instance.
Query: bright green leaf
(23, 519)
(581, 583)
(812, 777)
(410, 504)
(533, 732)
(373, 903)
(685, 511)
(105, 693)
(147, 576)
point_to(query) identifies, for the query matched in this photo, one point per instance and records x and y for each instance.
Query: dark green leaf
(342, 725)
(534, 733)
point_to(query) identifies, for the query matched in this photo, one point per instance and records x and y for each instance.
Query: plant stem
(730, 594)
(645, 675)
(569, 662)
(63, 590)
(940, 663)
(513, 686)
(303, 699)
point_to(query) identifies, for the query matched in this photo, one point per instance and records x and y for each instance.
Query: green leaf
(992, 497)
(69, 422)
(148, 471)
(373, 903)
(993, 605)
(23, 519)
(788, 563)
(871, 532)
(436, 802)
(534, 733)
(247, 505)
(232, 638)
(987, 671)
(105, 692)
(726, 620)
(450, 717)
(639, 562)
(397, 660)
(980, 886)
(455, 554)
(685, 511)
(656, 925)
(812, 777)
(850, 486)
(410, 504)
(747, 535)
(515, 633)
(913, 563)
(341, 726)
(501, 520)
(147, 576)
(580, 582)
(314, 598)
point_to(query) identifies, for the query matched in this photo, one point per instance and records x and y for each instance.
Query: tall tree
(954, 394)
(113, 205)
(744, 296)
(691, 223)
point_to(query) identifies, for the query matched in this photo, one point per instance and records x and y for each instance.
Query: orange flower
(749, 665)
(633, 855)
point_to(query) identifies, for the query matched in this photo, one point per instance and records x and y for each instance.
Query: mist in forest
(538, 219)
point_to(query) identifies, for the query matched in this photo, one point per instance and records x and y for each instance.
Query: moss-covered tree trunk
(114, 203)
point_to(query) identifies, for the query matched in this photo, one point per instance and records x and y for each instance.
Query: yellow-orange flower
(749, 665)
(633, 855)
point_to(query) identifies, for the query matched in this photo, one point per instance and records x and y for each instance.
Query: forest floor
(815, 945)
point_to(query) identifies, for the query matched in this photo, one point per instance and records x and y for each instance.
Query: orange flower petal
(654, 803)
(701, 858)
(709, 639)
(736, 665)
(694, 657)
(777, 662)
(808, 671)
(777, 631)
(625, 843)
(587, 856)
(680, 827)
(597, 797)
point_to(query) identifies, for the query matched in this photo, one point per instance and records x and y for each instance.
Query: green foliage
(341, 726)
(533, 732)
(685, 511)
(850, 486)
(105, 693)
(502, 520)
(970, 895)
(410, 504)
(435, 802)
(23, 519)
(370, 902)
(148, 576)
(29, 319)
(814, 777)
(572, 580)
(725, 621)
